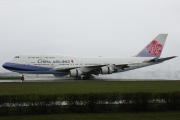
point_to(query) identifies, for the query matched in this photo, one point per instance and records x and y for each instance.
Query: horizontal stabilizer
(164, 59)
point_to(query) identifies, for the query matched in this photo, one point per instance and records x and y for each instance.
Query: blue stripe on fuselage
(23, 67)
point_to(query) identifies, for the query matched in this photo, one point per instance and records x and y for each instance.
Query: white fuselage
(50, 63)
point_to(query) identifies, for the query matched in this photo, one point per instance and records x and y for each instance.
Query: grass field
(88, 87)
(100, 116)
(92, 87)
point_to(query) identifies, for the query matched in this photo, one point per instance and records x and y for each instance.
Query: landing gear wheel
(83, 77)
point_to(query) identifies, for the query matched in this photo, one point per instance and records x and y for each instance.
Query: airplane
(86, 68)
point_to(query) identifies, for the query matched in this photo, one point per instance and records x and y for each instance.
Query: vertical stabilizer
(154, 48)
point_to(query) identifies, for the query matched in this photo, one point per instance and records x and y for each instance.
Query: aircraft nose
(5, 65)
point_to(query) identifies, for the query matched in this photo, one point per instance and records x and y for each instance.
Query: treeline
(10, 78)
(88, 103)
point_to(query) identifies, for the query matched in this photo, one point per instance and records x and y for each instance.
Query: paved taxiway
(47, 80)
(39, 80)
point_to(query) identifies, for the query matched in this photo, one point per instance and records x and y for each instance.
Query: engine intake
(75, 73)
(107, 70)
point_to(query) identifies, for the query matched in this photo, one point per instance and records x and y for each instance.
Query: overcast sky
(109, 28)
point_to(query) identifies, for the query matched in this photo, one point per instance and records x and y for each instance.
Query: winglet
(154, 48)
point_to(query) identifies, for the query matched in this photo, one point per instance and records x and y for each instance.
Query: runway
(47, 79)
(42, 80)
(78, 80)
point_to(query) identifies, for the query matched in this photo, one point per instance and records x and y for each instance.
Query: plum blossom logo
(154, 48)
(72, 61)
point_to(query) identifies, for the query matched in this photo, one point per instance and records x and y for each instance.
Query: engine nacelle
(75, 73)
(107, 70)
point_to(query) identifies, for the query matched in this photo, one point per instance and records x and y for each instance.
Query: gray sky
(109, 28)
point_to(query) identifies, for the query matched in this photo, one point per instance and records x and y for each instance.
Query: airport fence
(88, 103)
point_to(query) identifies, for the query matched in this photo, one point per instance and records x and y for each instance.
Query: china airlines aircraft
(85, 68)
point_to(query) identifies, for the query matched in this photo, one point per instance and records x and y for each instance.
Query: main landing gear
(83, 77)
(86, 77)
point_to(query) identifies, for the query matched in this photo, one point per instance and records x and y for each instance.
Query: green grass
(88, 87)
(100, 116)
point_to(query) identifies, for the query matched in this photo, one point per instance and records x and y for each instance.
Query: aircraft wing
(164, 59)
(97, 69)
(87, 67)
(92, 69)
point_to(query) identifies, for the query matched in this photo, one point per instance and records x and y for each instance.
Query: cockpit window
(17, 57)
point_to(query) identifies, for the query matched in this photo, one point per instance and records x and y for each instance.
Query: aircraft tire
(85, 77)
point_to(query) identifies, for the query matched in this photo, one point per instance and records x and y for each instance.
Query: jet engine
(107, 70)
(75, 73)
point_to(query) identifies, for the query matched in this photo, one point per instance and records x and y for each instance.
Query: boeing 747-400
(85, 68)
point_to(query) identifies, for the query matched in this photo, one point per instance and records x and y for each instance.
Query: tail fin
(154, 48)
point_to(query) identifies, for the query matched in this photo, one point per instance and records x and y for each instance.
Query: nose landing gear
(22, 78)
